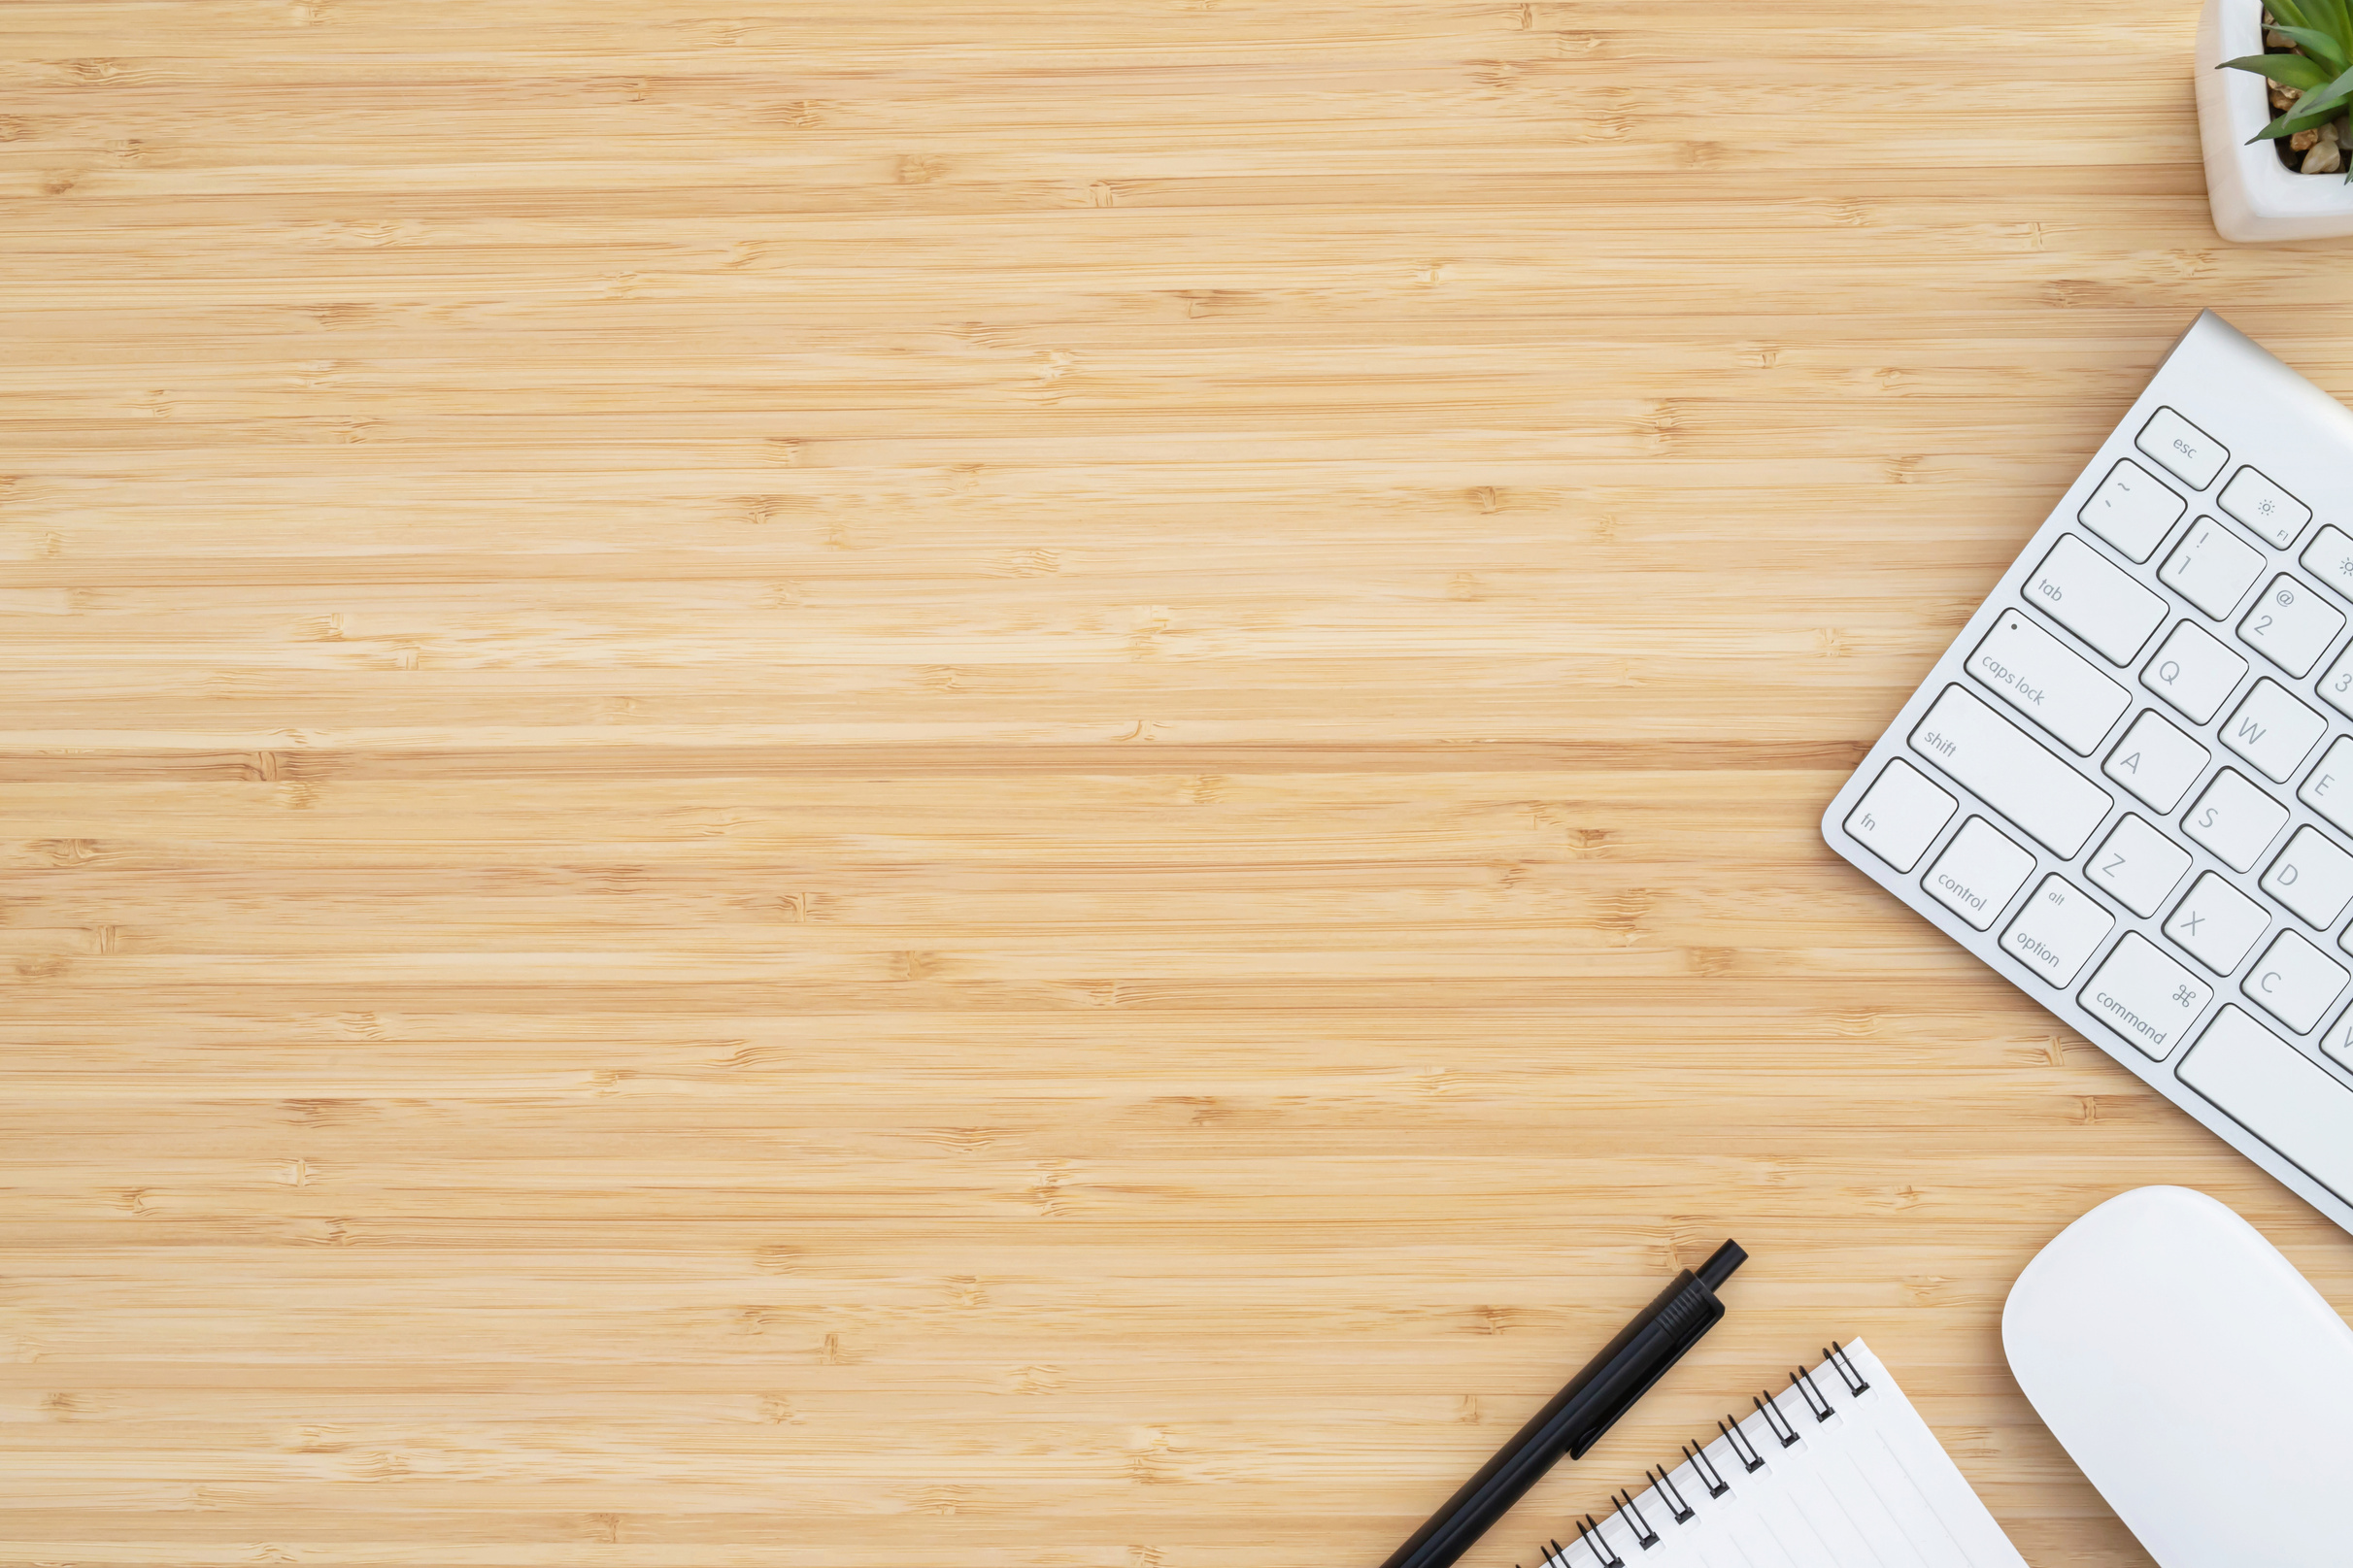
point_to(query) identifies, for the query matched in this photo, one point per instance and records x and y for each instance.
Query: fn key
(1901, 816)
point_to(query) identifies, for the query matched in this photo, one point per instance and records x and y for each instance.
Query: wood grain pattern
(834, 784)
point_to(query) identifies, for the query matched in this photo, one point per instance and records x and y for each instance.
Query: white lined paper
(1868, 1487)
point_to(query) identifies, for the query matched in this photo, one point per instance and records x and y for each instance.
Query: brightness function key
(2264, 507)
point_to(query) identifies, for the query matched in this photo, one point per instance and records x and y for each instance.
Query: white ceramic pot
(2256, 197)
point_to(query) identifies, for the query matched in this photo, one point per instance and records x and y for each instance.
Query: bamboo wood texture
(824, 784)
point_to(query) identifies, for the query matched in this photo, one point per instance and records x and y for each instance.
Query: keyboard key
(2192, 455)
(2216, 923)
(2273, 730)
(2048, 682)
(2330, 789)
(2330, 557)
(2337, 1041)
(2132, 510)
(2212, 568)
(2263, 507)
(1978, 872)
(2337, 687)
(2192, 672)
(2056, 930)
(2235, 819)
(2137, 864)
(2277, 1094)
(2145, 996)
(2086, 593)
(1901, 816)
(2050, 801)
(2312, 877)
(2294, 981)
(2292, 624)
(2156, 762)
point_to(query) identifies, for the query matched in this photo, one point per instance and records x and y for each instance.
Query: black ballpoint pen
(1579, 1413)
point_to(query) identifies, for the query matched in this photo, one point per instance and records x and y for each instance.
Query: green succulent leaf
(2289, 70)
(2293, 120)
(2315, 107)
(2320, 46)
(2291, 12)
(2324, 103)
(2289, 123)
(2334, 17)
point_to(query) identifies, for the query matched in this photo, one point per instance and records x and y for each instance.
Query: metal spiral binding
(1706, 1471)
(1671, 1495)
(1837, 1357)
(1803, 1382)
(1589, 1536)
(1775, 1422)
(1742, 1450)
(1644, 1535)
(1600, 1554)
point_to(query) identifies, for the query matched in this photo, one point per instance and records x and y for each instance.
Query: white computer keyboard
(2127, 785)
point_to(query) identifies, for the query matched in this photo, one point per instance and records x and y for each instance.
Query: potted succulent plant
(2274, 84)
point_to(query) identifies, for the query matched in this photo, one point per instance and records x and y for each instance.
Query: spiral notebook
(1836, 1471)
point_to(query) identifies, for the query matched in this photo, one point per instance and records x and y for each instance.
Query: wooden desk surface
(838, 785)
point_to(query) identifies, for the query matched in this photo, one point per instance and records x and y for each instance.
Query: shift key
(2048, 682)
(2011, 771)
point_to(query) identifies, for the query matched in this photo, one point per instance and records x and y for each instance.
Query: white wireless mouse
(2201, 1383)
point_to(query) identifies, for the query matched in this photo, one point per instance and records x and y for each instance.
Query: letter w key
(2273, 730)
